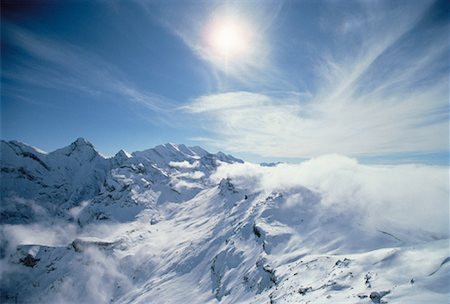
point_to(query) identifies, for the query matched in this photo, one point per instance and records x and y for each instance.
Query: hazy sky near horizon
(262, 80)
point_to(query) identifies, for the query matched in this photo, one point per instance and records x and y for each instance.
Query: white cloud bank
(406, 197)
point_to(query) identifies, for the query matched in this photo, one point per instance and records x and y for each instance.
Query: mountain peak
(80, 141)
(169, 145)
(165, 153)
(80, 146)
(123, 154)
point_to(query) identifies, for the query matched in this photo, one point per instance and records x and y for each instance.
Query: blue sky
(290, 80)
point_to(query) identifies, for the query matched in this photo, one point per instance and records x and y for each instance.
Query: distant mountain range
(62, 179)
(161, 226)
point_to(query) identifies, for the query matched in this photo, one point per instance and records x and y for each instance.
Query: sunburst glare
(229, 37)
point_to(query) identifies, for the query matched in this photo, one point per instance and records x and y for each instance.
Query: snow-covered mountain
(55, 183)
(177, 224)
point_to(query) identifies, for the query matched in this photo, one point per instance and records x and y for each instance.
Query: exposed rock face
(29, 261)
(376, 296)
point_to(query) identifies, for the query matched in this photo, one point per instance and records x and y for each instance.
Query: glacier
(177, 224)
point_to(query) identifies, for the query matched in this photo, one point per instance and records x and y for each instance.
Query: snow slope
(176, 224)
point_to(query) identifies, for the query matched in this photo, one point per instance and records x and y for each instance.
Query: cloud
(62, 65)
(385, 92)
(402, 197)
(227, 101)
(96, 278)
(195, 23)
(183, 164)
(56, 234)
(76, 211)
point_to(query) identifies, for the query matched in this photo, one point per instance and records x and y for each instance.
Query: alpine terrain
(177, 224)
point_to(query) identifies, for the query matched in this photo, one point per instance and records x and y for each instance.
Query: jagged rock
(256, 231)
(342, 263)
(367, 279)
(376, 296)
(226, 186)
(80, 245)
(304, 290)
(29, 260)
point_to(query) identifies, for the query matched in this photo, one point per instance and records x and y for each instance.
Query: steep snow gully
(177, 224)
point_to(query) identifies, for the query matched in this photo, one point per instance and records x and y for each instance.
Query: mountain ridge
(82, 142)
(178, 224)
(78, 171)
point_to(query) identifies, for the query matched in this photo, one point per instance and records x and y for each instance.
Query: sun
(229, 37)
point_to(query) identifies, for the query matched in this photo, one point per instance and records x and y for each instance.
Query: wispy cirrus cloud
(384, 91)
(196, 23)
(61, 65)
